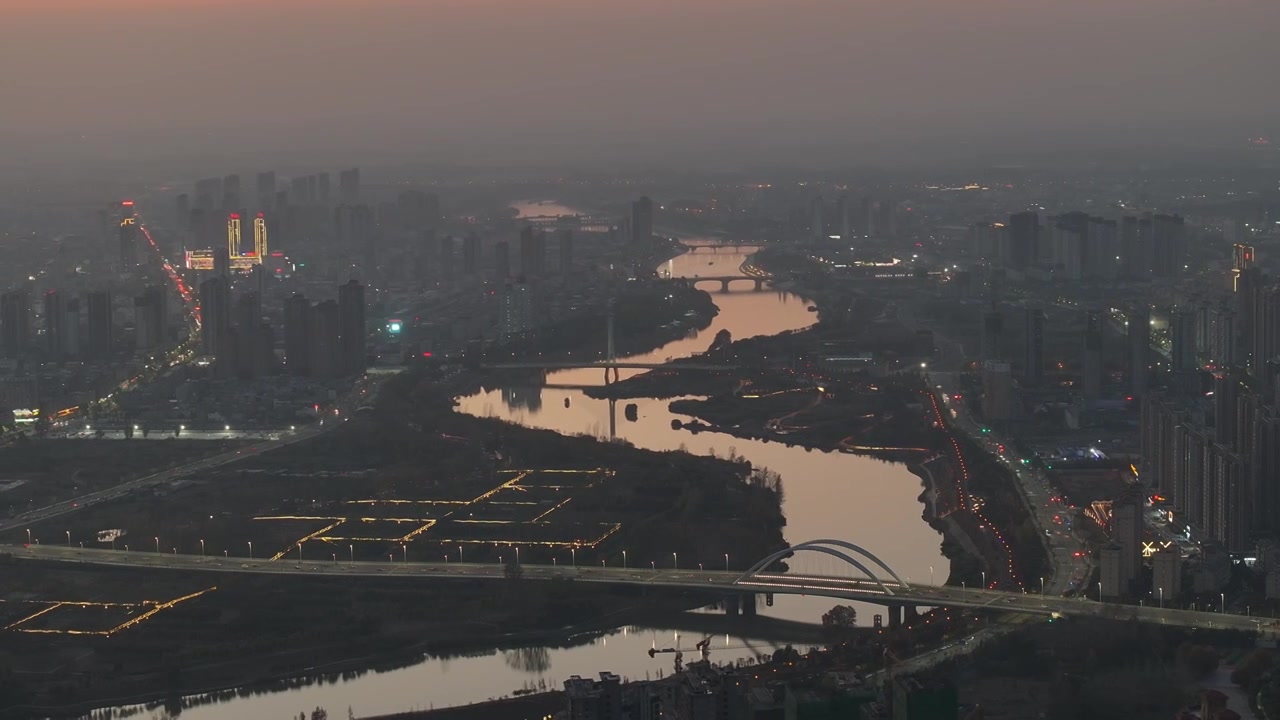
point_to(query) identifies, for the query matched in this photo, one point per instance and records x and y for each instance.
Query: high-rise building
(992, 346)
(354, 227)
(1024, 239)
(1266, 330)
(325, 360)
(349, 186)
(352, 333)
(209, 194)
(1166, 574)
(1126, 531)
(101, 329)
(248, 336)
(817, 219)
(1182, 333)
(1135, 249)
(260, 248)
(54, 316)
(1242, 259)
(215, 313)
(501, 261)
(234, 238)
(566, 251)
(844, 222)
(1168, 245)
(297, 335)
(69, 342)
(1033, 353)
(1139, 347)
(1248, 286)
(642, 223)
(470, 254)
(447, 261)
(1091, 382)
(15, 322)
(266, 189)
(515, 310)
(230, 192)
(998, 400)
(128, 237)
(150, 317)
(533, 252)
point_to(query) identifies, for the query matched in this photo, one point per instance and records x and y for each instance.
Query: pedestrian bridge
(881, 587)
(758, 282)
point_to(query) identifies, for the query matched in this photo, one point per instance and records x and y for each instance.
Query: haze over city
(590, 83)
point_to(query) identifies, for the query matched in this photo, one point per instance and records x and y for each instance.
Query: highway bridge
(889, 590)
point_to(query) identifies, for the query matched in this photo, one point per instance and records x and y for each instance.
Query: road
(1068, 555)
(353, 399)
(844, 588)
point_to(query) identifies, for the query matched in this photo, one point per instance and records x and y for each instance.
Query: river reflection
(827, 495)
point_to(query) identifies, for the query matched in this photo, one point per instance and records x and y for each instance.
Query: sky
(615, 81)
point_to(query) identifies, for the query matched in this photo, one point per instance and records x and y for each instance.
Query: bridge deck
(716, 581)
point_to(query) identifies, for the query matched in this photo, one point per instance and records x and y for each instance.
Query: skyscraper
(349, 186)
(470, 254)
(54, 319)
(992, 334)
(215, 311)
(297, 335)
(15, 322)
(501, 261)
(1139, 338)
(642, 223)
(1024, 239)
(352, 333)
(533, 253)
(266, 189)
(231, 192)
(1091, 381)
(1168, 245)
(101, 329)
(514, 313)
(842, 217)
(128, 237)
(1033, 354)
(151, 317)
(817, 220)
(1182, 333)
(324, 354)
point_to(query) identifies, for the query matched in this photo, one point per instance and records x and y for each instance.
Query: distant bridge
(608, 365)
(758, 281)
(716, 246)
(878, 588)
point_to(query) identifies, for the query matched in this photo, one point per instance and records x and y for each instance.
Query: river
(826, 495)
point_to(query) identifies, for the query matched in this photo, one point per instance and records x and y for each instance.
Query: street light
(157, 543)
(624, 559)
(403, 549)
(984, 579)
(459, 553)
(573, 555)
(726, 562)
(28, 536)
(201, 547)
(675, 561)
(1041, 584)
(352, 550)
(1161, 598)
(930, 574)
(68, 538)
(517, 548)
(250, 549)
(1222, 600)
(299, 551)
(1099, 591)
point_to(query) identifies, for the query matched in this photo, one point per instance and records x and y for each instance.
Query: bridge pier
(740, 604)
(895, 616)
(724, 286)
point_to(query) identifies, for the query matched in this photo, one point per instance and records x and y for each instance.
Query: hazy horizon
(592, 84)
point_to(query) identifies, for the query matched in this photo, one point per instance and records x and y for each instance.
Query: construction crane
(702, 647)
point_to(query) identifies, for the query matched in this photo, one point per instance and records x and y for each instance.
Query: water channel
(827, 495)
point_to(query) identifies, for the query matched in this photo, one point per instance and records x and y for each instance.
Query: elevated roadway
(715, 581)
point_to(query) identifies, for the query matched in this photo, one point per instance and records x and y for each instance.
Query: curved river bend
(826, 495)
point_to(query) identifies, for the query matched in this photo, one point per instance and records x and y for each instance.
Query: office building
(297, 335)
(1265, 331)
(1138, 334)
(349, 186)
(1242, 259)
(1033, 352)
(128, 237)
(642, 223)
(54, 324)
(101, 330)
(352, 333)
(999, 403)
(250, 361)
(1168, 244)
